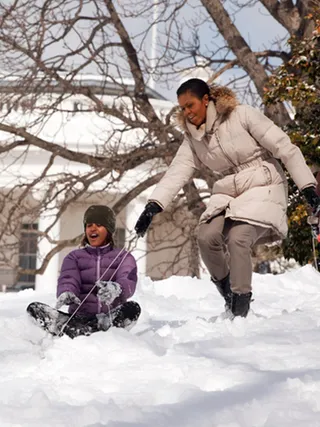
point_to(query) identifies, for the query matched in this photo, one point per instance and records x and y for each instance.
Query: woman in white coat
(249, 199)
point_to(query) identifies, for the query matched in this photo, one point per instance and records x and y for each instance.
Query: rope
(314, 222)
(314, 254)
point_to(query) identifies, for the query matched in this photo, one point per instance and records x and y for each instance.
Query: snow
(176, 367)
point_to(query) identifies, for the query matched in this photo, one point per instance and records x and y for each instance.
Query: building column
(133, 211)
(47, 282)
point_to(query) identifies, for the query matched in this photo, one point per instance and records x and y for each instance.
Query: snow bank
(182, 365)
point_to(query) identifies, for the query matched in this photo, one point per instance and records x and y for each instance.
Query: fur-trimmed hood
(224, 100)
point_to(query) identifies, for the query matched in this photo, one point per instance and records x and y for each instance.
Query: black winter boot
(126, 315)
(240, 304)
(223, 287)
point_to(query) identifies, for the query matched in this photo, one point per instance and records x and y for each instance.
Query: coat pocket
(274, 172)
(251, 178)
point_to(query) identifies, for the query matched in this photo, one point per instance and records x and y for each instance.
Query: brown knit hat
(99, 214)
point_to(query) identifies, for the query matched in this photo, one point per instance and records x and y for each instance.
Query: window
(76, 106)
(27, 254)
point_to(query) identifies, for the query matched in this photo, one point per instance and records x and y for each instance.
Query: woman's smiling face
(193, 108)
(96, 234)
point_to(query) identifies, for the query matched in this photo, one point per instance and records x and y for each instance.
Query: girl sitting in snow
(95, 282)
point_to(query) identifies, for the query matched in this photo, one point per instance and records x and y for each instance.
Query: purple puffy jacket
(83, 267)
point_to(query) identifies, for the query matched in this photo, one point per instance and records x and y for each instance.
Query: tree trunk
(194, 258)
(245, 56)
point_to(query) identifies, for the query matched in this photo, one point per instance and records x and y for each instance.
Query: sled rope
(93, 288)
(314, 254)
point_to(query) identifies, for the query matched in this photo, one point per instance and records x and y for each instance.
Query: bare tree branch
(285, 12)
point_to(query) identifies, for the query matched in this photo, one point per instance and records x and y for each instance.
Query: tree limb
(244, 54)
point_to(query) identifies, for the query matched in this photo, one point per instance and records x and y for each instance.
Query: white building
(80, 131)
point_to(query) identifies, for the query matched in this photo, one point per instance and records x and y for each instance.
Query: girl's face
(193, 108)
(96, 234)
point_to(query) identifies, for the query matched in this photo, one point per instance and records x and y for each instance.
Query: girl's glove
(108, 291)
(67, 298)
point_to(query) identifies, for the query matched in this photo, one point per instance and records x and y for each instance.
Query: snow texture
(183, 364)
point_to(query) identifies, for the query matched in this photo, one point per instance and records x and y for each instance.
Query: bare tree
(46, 48)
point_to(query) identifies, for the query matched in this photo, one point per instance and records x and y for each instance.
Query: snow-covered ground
(176, 367)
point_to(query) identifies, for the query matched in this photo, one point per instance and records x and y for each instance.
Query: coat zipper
(229, 158)
(98, 277)
(222, 149)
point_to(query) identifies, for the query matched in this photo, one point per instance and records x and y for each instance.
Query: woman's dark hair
(197, 87)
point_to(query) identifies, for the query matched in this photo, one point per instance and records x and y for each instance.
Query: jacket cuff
(158, 203)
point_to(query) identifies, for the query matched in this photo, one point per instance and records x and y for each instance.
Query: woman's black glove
(312, 199)
(150, 210)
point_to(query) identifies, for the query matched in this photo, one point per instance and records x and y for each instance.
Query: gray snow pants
(226, 245)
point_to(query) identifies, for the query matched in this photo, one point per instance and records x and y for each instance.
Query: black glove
(312, 199)
(150, 210)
